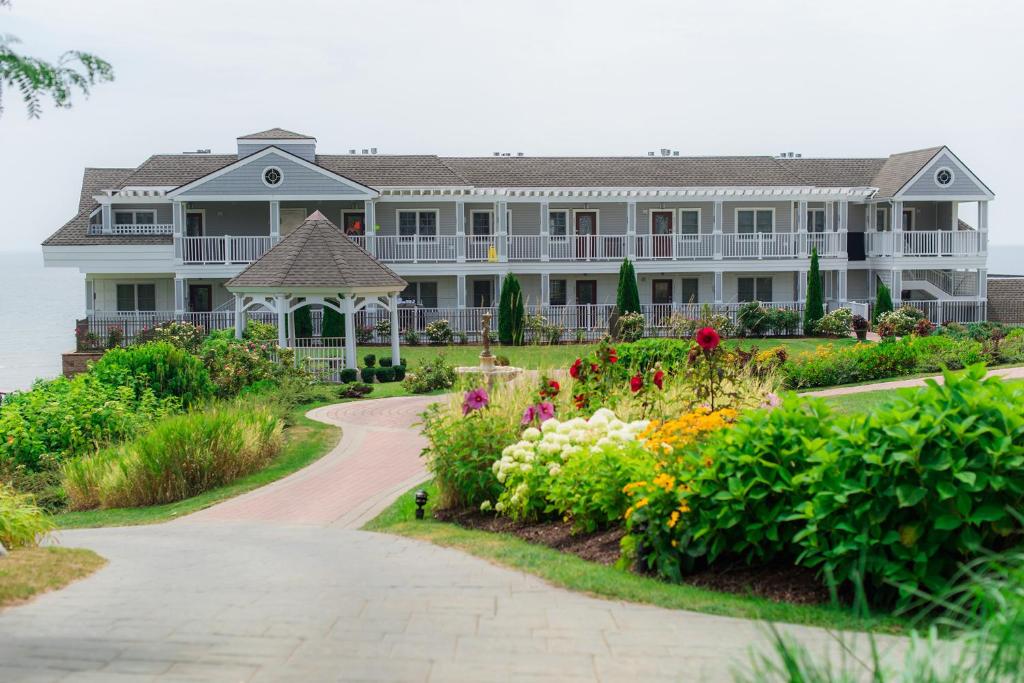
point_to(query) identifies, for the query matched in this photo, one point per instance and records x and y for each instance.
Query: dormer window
(272, 176)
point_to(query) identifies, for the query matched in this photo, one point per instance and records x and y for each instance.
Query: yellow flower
(674, 543)
(673, 518)
(642, 502)
(683, 507)
(629, 488)
(665, 481)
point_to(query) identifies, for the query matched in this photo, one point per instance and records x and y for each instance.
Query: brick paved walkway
(278, 585)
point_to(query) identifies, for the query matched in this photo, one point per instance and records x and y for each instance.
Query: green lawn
(870, 400)
(574, 573)
(29, 571)
(544, 357)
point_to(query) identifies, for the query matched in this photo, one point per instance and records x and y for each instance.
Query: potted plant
(860, 326)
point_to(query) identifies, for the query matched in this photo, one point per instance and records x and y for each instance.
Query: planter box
(77, 362)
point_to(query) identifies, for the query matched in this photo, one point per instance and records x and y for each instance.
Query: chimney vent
(373, 150)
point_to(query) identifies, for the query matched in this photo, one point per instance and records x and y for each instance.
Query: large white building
(159, 240)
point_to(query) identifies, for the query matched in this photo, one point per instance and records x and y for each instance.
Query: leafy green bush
(161, 367)
(752, 319)
(1011, 349)
(370, 360)
(430, 375)
(22, 523)
(367, 375)
(462, 450)
(837, 323)
(644, 354)
(234, 364)
(896, 323)
(257, 331)
(60, 419)
(783, 321)
(883, 303)
(184, 335)
(828, 365)
(937, 353)
(910, 491)
(179, 457)
(399, 371)
(631, 326)
(349, 375)
(439, 332)
(386, 374)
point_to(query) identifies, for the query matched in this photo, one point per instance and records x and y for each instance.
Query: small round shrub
(439, 332)
(369, 360)
(368, 374)
(385, 375)
(838, 323)
(165, 369)
(631, 326)
(349, 375)
(399, 371)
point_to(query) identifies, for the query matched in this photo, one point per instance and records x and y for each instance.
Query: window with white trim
(689, 222)
(558, 225)
(881, 219)
(558, 294)
(421, 293)
(136, 297)
(125, 217)
(690, 290)
(480, 223)
(815, 220)
(753, 289)
(417, 223)
(753, 221)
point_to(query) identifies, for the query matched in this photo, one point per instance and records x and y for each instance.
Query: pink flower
(528, 415)
(544, 411)
(475, 399)
(772, 400)
(708, 339)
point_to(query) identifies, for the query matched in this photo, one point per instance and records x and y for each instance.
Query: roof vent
(351, 151)
(675, 152)
(497, 154)
(373, 150)
(519, 154)
(198, 151)
(366, 151)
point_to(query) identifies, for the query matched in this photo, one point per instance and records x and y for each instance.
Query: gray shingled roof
(622, 171)
(317, 254)
(835, 172)
(276, 134)
(900, 168)
(381, 170)
(76, 231)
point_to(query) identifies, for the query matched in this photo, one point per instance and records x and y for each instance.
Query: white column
(954, 216)
(460, 234)
(844, 226)
(370, 225)
(239, 318)
(275, 222)
(291, 328)
(281, 303)
(801, 286)
(983, 284)
(500, 282)
(719, 287)
(545, 288)
(869, 216)
(501, 223)
(460, 290)
(872, 285)
(545, 231)
(396, 354)
(841, 295)
(830, 216)
(350, 331)
(90, 296)
(897, 287)
(801, 228)
(631, 230)
(983, 225)
(896, 223)
(178, 219)
(108, 221)
(716, 234)
(179, 295)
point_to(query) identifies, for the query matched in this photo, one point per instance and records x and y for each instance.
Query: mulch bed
(794, 585)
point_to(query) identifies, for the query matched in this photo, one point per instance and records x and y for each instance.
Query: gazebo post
(396, 354)
(280, 302)
(239, 318)
(350, 331)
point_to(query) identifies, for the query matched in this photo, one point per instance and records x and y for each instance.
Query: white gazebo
(317, 264)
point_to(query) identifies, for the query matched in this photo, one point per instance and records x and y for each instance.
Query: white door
(291, 219)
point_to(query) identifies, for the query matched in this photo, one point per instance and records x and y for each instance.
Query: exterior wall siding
(783, 214)
(105, 290)
(306, 150)
(644, 209)
(925, 185)
(247, 180)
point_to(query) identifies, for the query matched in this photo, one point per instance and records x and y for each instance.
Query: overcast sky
(550, 77)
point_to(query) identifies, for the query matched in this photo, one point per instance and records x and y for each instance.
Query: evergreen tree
(627, 297)
(883, 302)
(511, 312)
(303, 322)
(333, 325)
(814, 309)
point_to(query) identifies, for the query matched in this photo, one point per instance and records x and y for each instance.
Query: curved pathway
(278, 585)
(1005, 373)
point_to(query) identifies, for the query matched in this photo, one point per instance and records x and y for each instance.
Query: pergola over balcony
(317, 264)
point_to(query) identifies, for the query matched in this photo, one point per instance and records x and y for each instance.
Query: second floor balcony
(926, 243)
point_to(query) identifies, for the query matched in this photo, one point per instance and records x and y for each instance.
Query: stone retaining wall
(77, 362)
(1006, 300)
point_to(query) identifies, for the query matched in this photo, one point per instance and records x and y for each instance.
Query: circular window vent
(943, 177)
(272, 176)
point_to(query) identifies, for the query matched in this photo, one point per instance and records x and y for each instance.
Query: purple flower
(528, 415)
(772, 400)
(475, 399)
(545, 411)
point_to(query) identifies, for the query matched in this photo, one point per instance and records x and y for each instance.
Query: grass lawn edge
(29, 572)
(574, 573)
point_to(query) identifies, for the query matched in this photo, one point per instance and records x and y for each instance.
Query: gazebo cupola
(317, 264)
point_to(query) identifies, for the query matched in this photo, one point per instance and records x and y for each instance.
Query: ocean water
(38, 308)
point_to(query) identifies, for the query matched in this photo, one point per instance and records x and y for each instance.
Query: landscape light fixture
(421, 500)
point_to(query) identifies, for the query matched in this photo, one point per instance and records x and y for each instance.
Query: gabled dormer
(300, 145)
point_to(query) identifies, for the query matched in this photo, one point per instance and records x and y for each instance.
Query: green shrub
(234, 364)
(22, 523)
(631, 326)
(354, 390)
(387, 362)
(60, 419)
(430, 376)
(828, 365)
(838, 323)
(439, 332)
(896, 323)
(462, 450)
(642, 355)
(385, 374)
(937, 353)
(178, 458)
(369, 360)
(752, 320)
(814, 307)
(511, 312)
(910, 491)
(349, 375)
(1011, 349)
(783, 321)
(627, 296)
(883, 303)
(165, 369)
(368, 374)
(399, 371)
(257, 331)
(184, 335)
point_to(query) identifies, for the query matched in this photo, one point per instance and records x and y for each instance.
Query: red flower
(708, 339)
(593, 367)
(636, 382)
(574, 371)
(551, 390)
(579, 400)
(613, 355)
(659, 379)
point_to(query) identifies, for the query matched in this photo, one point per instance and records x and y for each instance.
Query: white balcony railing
(675, 247)
(223, 249)
(926, 243)
(134, 229)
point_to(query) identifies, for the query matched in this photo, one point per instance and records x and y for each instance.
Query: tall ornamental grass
(22, 523)
(179, 457)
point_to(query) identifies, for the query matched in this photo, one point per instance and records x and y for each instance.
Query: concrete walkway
(278, 585)
(1005, 373)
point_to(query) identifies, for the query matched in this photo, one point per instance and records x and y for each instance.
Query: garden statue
(486, 367)
(486, 334)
